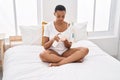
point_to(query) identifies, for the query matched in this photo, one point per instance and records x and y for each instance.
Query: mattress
(23, 63)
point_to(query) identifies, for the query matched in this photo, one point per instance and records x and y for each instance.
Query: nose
(61, 19)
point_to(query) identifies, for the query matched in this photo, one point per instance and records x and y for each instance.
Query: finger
(58, 34)
(58, 38)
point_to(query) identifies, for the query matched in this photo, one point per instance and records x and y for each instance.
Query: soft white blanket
(23, 63)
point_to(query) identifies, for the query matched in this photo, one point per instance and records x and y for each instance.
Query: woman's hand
(63, 39)
(57, 37)
(66, 42)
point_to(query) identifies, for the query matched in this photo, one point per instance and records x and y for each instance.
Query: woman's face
(60, 15)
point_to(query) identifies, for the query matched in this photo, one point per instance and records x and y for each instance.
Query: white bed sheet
(23, 63)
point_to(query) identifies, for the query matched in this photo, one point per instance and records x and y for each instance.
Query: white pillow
(31, 35)
(80, 31)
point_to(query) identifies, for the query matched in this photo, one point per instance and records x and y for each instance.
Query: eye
(58, 16)
(63, 16)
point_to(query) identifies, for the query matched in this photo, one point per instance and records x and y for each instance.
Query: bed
(23, 63)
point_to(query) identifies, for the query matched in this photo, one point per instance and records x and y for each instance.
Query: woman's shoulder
(69, 25)
(49, 25)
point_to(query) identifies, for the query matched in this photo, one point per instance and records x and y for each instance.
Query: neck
(59, 23)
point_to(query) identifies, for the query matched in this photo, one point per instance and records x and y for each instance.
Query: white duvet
(23, 63)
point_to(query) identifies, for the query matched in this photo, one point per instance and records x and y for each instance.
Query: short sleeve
(46, 31)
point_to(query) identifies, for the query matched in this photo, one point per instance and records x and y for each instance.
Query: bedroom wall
(49, 6)
(112, 44)
(108, 44)
(117, 27)
(118, 23)
(119, 40)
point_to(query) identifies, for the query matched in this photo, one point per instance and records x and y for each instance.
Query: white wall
(39, 10)
(118, 24)
(117, 15)
(49, 6)
(108, 44)
(112, 45)
(117, 27)
(119, 38)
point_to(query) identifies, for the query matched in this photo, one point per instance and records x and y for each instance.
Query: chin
(61, 21)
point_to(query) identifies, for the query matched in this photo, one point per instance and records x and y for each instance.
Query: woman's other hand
(57, 37)
(63, 39)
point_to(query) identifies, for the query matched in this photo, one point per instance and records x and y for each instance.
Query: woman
(58, 51)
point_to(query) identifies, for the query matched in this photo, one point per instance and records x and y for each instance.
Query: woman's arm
(47, 43)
